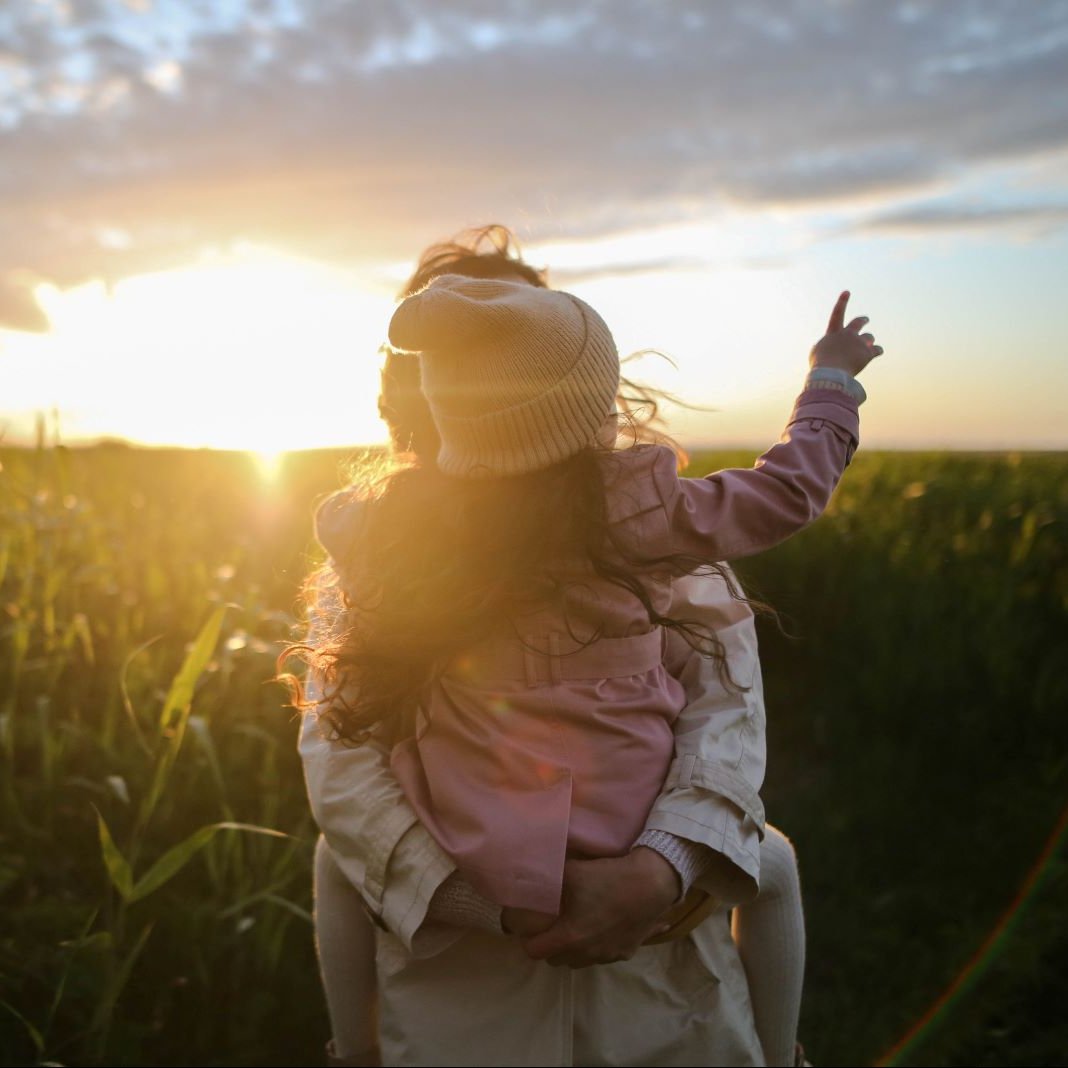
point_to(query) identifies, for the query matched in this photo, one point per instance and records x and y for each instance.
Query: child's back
(554, 738)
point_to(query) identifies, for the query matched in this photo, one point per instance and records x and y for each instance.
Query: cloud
(573, 275)
(923, 218)
(19, 309)
(359, 132)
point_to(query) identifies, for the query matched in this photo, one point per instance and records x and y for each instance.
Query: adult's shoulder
(716, 597)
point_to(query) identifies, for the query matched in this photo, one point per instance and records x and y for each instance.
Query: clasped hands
(610, 907)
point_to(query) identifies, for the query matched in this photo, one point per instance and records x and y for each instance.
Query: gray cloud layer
(359, 131)
(926, 217)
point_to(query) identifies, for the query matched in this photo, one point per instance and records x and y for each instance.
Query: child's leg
(770, 934)
(346, 944)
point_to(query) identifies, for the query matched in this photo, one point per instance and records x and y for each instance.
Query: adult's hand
(610, 907)
(525, 923)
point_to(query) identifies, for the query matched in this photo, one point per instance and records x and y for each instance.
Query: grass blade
(127, 704)
(106, 1007)
(290, 906)
(180, 695)
(176, 858)
(35, 1035)
(176, 707)
(83, 941)
(118, 868)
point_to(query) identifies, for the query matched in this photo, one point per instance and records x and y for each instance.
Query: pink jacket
(533, 748)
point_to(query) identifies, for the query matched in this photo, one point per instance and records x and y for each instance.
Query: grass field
(918, 717)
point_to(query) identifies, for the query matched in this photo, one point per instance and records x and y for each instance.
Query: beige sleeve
(373, 833)
(711, 795)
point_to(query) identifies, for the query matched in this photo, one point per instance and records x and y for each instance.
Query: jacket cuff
(835, 378)
(458, 903)
(734, 873)
(711, 803)
(417, 867)
(830, 406)
(689, 859)
(826, 407)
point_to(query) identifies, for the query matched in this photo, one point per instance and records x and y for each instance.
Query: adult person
(680, 1002)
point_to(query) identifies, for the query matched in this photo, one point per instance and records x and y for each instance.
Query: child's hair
(442, 562)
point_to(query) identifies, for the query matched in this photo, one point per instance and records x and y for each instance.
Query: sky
(206, 206)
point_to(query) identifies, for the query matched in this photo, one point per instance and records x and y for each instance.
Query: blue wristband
(835, 378)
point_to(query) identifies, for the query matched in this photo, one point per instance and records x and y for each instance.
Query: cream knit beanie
(517, 378)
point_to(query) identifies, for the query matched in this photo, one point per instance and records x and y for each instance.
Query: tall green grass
(144, 604)
(917, 726)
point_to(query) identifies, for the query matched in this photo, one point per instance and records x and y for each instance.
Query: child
(560, 731)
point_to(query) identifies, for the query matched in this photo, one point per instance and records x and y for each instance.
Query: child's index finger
(837, 321)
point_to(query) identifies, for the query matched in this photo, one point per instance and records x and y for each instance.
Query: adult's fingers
(838, 314)
(586, 958)
(561, 947)
(570, 960)
(856, 324)
(556, 941)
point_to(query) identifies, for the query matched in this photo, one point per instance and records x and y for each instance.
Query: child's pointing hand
(843, 346)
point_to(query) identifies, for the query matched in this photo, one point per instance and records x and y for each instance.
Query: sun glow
(248, 350)
(268, 463)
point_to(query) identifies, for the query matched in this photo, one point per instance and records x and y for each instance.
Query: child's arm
(738, 512)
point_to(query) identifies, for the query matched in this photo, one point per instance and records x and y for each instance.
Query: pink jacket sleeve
(739, 512)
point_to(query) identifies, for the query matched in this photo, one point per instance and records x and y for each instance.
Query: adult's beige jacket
(448, 996)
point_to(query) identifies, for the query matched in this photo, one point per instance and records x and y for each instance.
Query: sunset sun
(211, 354)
